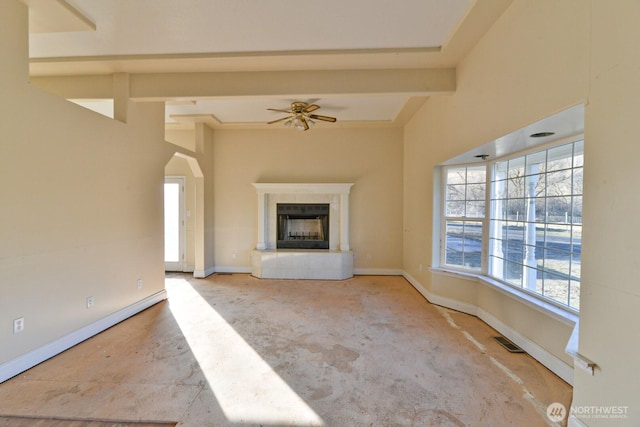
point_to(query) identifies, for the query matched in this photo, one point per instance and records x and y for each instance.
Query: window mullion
(486, 221)
(445, 219)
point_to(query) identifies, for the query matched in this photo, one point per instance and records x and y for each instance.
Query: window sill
(567, 316)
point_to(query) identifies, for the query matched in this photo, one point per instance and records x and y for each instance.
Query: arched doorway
(184, 225)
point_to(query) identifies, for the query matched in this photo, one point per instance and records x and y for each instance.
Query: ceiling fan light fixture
(300, 117)
(298, 123)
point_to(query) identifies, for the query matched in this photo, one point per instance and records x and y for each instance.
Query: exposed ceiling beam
(186, 86)
(418, 82)
(77, 87)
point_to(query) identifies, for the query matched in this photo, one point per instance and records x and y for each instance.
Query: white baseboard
(242, 270)
(377, 272)
(356, 271)
(20, 364)
(201, 274)
(438, 300)
(232, 269)
(553, 363)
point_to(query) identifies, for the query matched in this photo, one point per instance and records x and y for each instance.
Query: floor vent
(510, 346)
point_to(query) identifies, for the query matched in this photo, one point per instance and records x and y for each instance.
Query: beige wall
(501, 87)
(540, 58)
(531, 64)
(81, 208)
(370, 158)
(610, 301)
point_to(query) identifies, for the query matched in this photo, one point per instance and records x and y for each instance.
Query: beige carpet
(233, 350)
(58, 422)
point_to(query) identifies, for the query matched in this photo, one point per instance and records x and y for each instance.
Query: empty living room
(221, 213)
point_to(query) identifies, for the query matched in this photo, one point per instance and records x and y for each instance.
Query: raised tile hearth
(335, 263)
(302, 264)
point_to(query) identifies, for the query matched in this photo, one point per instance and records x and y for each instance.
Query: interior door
(174, 224)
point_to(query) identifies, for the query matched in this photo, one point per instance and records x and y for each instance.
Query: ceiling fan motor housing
(298, 107)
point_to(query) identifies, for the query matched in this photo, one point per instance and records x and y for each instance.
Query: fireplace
(303, 231)
(302, 226)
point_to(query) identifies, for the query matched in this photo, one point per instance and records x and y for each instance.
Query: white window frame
(444, 219)
(483, 275)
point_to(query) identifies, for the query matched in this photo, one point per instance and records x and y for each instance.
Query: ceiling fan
(300, 117)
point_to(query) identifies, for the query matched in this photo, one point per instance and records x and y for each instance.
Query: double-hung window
(534, 221)
(465, 201)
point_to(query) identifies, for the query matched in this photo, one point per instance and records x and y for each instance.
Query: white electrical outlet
(90, 302)
(139, 283)
(18, 325)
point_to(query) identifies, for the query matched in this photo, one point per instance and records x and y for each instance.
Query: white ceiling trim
(51, 16)
(342, 53)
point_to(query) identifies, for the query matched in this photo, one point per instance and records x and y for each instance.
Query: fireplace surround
(301, 256)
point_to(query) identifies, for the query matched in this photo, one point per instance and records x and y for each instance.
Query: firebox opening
(303, 226)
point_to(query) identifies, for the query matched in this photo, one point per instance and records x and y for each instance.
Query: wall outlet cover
(18, 325)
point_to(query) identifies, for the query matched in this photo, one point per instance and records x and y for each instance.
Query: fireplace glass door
(303, 226)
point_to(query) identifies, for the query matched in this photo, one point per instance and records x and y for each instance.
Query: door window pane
(171, 222)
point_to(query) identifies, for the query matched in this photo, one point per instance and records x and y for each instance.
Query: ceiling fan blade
(280, 111)
(306, 125)
(310, 108)
(324, 118)
(278, 120)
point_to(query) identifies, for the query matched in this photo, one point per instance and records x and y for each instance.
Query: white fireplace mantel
(338, 193)
(336, 263)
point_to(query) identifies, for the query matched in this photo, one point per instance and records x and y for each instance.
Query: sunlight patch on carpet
(246, 387)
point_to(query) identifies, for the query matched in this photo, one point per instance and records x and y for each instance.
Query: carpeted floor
(51, 422)
(234, 350)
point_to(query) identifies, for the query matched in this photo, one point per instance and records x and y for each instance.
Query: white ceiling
(86, 37)
(131, 27)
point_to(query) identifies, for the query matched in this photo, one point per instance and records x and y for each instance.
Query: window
(534, 221)
(465, 200)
